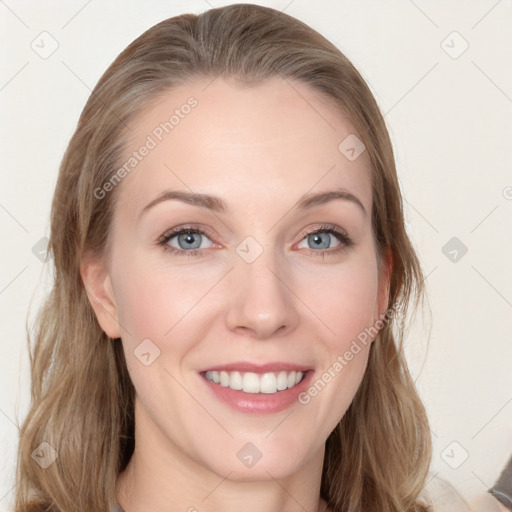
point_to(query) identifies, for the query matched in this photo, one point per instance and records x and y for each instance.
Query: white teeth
(282, 381)
(268, 383)
(235, 381)
(224, 379)
(250, 382)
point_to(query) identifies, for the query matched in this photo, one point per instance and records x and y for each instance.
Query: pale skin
(259, 149)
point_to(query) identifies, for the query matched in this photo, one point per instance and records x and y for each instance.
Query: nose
(262, 302)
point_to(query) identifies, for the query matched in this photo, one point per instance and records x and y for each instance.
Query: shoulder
(442, 496)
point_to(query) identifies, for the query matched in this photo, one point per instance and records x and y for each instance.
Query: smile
(250, 382)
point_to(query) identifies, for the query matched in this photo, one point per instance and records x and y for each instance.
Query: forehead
(273, 141)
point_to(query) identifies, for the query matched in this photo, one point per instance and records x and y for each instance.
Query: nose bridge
(262, 300)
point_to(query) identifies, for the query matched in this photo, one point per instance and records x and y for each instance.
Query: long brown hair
(377, 458)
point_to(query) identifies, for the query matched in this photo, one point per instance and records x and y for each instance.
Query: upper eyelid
(187, 227)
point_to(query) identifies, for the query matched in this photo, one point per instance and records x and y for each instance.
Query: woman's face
(250, 285)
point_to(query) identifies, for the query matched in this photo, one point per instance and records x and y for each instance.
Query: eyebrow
(216, 204)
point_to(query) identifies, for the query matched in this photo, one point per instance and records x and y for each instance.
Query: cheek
(154, 298)
(346, 305)
(344, 300)
(354, 311)
(152, 304)
(140, 311)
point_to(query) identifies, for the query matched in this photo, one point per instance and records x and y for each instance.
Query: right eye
(184, 240)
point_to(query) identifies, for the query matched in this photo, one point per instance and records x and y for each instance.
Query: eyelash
(344, 239)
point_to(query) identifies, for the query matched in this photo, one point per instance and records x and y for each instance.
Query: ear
(382, 302)
(98, 287)
(385, 270)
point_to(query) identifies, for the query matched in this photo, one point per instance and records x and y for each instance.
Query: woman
(231, 275)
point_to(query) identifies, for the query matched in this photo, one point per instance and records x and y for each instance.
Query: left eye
(320, 239)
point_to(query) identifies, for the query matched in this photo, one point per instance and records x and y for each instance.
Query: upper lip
(245, 366)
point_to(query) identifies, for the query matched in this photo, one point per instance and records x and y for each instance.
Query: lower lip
(260, 403)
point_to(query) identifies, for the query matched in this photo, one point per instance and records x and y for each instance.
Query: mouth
(257, 388)
(252, 382)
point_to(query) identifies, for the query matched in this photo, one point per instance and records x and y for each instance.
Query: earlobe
(98, 286)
